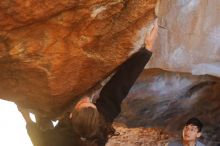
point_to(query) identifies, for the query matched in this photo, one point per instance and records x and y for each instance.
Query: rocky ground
(140, 136)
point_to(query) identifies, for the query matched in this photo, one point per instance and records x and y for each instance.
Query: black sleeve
(50, 137)
(35, 133)
(117, 88)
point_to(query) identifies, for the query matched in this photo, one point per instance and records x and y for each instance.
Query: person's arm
(117, 88)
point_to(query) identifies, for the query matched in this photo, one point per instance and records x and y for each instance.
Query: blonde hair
(90, 126)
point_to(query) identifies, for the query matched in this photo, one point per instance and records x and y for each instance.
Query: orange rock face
(52, 51)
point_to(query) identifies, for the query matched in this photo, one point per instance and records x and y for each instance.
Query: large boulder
(53, 51)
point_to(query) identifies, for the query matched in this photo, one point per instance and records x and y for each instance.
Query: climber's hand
(150, 38)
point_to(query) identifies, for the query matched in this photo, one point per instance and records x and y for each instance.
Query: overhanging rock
(50, 52)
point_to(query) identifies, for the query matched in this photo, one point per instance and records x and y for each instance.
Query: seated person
(190, 134)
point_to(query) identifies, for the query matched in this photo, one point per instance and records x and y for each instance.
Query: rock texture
(52, 51)
(167, 100)
(140, 136)
(189, 39)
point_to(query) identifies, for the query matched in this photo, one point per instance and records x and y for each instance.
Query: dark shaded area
(165, 99)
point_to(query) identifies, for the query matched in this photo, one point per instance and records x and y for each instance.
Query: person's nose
(187, 130)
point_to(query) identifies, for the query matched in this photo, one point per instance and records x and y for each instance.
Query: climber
(92, 122)
(191, 132)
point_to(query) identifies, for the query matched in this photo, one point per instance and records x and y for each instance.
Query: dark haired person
(190, 134)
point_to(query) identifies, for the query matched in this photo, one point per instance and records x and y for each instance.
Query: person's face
(191, 133)
(84, 103)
